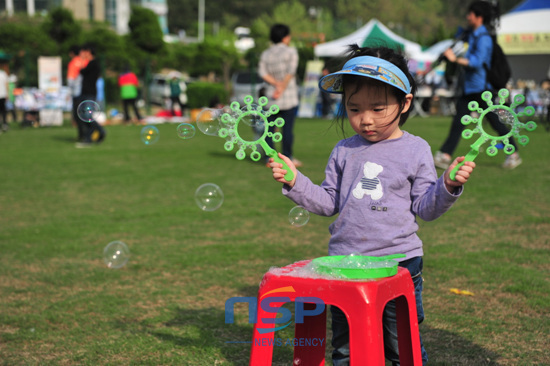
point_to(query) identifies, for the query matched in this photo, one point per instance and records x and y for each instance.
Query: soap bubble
(116, 254)
(251, 124)
(350, 261)
(505, 116)
(88, 111)
(209, 197)
(209, 121)
(185, 131)
(149, 135)
(298, 216)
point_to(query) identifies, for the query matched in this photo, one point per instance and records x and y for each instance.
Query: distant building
(115, 12)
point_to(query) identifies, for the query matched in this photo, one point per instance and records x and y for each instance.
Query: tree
(415, 21)
(108, 46)
(215, 54)
(61, 26)
(183, 14)
(412, 20)
(178, 56)
(304, 28)
(25, 42)
(145, 30)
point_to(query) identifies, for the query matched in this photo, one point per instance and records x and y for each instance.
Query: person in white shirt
(278, 65)
(3, 94)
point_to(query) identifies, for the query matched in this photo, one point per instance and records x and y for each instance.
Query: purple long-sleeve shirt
(377, 189)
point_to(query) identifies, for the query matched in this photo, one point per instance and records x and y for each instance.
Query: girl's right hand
(462, 175)
(279, 172)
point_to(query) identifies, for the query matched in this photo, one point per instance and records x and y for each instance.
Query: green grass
(60, 206)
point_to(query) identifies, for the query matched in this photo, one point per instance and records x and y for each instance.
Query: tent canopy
(526, 29)
(524, 35)
(531, 5)
(374, 33)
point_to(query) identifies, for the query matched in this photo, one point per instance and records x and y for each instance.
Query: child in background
(177, 95)
(129, 84)
(378, 180)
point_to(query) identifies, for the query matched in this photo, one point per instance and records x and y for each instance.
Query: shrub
(203, 94)
(112, 90)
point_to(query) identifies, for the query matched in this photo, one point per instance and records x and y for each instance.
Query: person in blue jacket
(480, 48)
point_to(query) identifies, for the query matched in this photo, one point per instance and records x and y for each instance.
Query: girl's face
(373, 113)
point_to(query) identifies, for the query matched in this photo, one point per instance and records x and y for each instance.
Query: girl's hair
(389, 55)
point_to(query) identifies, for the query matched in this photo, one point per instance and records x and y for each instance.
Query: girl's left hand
(462, 175)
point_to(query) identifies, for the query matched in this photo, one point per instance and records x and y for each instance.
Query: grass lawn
(60, 206)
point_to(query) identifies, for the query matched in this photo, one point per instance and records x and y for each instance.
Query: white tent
(424, 60)
(372, 33)
(524, 35)
(526, 28)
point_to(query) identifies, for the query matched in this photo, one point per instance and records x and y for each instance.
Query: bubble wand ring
(507, 115)
(230, 126)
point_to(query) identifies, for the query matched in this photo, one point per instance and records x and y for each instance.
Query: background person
(177, 95)
(10, 102)
(74, 82)
(480, 47)
(100, 96)
(278, 65)
(377, 181)
(327, 100)
(129, 84)
(4, 87)
(92, 131)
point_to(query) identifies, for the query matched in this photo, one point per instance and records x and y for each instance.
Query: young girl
(378, 180)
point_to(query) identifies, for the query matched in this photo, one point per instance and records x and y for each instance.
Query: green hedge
(203, 94)
(112, 90)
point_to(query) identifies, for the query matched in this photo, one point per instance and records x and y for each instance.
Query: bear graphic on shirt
(370, 184)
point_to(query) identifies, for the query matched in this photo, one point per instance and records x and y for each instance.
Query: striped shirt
(369, 183)
(278, 61)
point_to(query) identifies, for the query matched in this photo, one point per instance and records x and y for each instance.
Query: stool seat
(362, 301)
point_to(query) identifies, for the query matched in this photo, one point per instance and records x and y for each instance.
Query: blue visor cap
(368, 66)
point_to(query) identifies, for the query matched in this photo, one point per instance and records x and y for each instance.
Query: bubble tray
(357, 266)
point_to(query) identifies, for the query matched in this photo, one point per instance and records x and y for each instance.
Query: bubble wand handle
(289, 176)
(470, 156)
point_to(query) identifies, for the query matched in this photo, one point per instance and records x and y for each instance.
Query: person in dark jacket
(92, 130)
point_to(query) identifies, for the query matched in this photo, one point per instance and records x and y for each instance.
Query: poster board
(49, 83)
(310, 89)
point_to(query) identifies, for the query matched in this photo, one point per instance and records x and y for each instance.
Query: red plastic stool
(363, 303)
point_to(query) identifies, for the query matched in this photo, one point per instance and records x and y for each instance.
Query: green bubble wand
(252, 115)
(507, 115)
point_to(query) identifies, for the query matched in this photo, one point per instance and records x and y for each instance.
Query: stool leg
(407, 331)
(366, 338)
(403, 331)
(310, 337)
(262, 343)
(262, 349)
